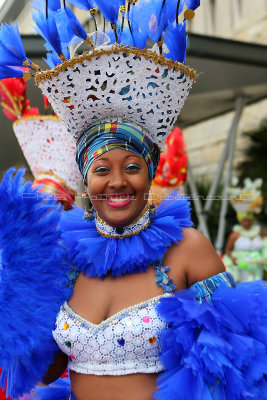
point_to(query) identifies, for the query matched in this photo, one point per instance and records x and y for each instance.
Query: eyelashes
(130, 167)
(101, 169)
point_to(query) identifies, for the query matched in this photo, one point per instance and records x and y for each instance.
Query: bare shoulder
(196, 256)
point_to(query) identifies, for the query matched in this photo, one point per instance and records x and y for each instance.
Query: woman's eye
(101, 169)
(132, 167)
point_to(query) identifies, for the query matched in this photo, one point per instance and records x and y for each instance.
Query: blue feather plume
(70, 29)
(150, 18)
(11, 47)
(52, 59)
(40, 5)
(170, 9)
(125, 37)
(192, 4)
(83, 4)
(9, 72)
(176, 41)
(34, 283)
(47, 28)
(110, 9)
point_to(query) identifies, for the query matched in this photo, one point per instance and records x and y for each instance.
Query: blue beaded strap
(161, 277)
(73, 275)
(208, 286)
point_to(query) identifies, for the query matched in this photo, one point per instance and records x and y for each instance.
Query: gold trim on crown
(36, 118)
(115, 48)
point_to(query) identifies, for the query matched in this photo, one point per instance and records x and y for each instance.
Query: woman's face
(118, 185)
(246, 223)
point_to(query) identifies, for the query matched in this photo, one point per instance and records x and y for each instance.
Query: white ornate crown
(118, 82)
(49, 151)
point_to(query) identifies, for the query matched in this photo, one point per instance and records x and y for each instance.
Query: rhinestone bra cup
(125, 343)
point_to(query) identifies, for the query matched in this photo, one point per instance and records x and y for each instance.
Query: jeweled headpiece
(118, 79)
(48, 149)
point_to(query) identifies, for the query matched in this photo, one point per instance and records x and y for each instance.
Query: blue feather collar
(96, 256)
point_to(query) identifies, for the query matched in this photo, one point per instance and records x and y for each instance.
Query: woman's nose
(117, 180)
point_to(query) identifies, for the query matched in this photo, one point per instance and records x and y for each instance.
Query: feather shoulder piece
(34, 283)
(216, 343)
(96, 255)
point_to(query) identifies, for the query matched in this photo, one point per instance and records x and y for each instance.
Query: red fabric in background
(3, 396)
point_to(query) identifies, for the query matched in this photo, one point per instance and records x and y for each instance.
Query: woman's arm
(56, 369)
(230, 245)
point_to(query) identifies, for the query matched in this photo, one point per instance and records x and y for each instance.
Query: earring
(89, 214)
(152, 211)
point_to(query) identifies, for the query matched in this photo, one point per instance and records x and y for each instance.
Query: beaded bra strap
(161, 276)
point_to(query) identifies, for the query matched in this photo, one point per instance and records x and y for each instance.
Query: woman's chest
(248, 244)
(128, 337)
(97, 300)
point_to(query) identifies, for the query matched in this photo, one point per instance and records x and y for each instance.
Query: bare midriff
(126, 387)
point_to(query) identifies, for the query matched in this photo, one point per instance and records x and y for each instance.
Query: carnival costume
(210, 338)
(249, 248)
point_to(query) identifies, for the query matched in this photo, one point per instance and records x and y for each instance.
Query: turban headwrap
(244, 214)
(117, 135)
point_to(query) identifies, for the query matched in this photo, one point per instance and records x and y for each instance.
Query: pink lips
(118, 200)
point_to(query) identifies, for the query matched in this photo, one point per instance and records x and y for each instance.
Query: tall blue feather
(110, 9)
(9, 72)
(170, 9)
(176, 41)
(47, 28)
(83, 4)
(34, 283)
(193, 4)
(150, 18)
(11, 47)
(40, 5)
(124, 36)
(70, 29)
(52, 59)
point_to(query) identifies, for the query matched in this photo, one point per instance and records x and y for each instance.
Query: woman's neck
(136, 226)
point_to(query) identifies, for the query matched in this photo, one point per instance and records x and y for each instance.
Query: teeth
(117, 200)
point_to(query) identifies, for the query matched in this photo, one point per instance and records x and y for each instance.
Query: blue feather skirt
(216, 345)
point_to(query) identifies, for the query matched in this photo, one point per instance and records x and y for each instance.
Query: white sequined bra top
(125, 343)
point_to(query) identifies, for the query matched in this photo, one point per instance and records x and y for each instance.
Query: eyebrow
(107, 159)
